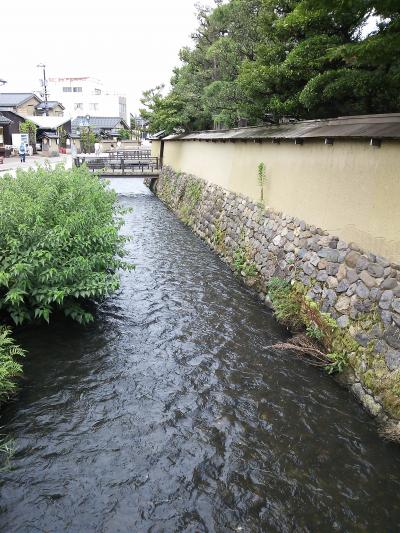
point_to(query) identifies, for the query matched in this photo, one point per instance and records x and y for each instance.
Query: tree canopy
(255, 59)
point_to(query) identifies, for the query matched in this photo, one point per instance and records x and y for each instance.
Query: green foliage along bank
(10, 367)
(59, 243)
(60, 246)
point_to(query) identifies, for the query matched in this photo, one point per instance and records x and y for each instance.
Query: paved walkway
(11, 164)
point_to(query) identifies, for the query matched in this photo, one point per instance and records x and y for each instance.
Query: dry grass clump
(306, 348)
(390, 432)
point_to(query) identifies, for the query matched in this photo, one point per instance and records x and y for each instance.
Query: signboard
(18, 138)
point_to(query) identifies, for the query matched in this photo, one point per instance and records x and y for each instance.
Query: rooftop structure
(15, 99)
(106, 125)
(385, 126)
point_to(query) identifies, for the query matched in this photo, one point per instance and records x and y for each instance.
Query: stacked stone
(347, 282)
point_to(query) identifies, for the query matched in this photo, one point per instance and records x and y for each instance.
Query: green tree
(306, 58)
(124, 134)
(87, 138)
(29, 127)
(315, 62)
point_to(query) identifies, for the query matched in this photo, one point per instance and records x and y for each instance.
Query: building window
(67, 89)
(97, 91)
(94, 107)
(77, 89)
(78, 106)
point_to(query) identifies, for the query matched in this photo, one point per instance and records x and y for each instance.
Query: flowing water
(170, 413)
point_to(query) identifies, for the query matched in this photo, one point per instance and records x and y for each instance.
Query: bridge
(122, 163)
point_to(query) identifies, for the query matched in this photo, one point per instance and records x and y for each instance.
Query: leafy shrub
(59, 243)
(9, 368)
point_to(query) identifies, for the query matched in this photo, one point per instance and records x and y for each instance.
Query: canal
(170, 413)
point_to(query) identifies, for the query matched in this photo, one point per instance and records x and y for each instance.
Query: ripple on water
(170, 414)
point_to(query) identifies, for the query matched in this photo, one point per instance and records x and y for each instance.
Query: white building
(86, 96)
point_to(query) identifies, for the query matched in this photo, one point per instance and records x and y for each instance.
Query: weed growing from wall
(299, 313)
(262, 179)
(191, 198)
(243, 264)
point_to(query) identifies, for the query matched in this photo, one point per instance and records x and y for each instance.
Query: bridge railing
(142, 165)
(130, 154)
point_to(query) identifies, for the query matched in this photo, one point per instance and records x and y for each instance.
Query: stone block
(389, 283)
(308, 268)
(386, 300)
(343, 321)
(332, 269)
(376, 270)
(352, 258)
(392, 358)
(352, 275)
(332, 282)
(322, 275)
(392, 336)
(367, 279)
(342, 304)
(362, 291)
(343, 285)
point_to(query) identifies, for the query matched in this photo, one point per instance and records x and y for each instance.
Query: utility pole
(41, 65)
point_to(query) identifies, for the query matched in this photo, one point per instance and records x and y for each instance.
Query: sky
(130, 45)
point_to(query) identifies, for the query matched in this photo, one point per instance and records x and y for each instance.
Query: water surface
(170, 413)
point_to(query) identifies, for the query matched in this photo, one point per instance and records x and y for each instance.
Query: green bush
(59, 243)
(9, 367)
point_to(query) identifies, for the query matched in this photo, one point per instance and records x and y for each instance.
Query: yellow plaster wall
(350, 189)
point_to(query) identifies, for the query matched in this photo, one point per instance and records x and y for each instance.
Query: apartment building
(87, 96)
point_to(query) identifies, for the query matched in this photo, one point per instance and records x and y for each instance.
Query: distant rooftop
(51, 104)
(385, 126)
(14, 99)
(98, 123)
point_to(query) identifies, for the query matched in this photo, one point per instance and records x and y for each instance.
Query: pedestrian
(74, 150)
(22, 152)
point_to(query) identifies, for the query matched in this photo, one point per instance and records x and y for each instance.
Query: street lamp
(41, 65)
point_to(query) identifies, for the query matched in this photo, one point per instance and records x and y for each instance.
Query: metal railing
(113, 163)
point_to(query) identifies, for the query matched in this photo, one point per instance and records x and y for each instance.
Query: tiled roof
(14, 99)
(98, 123)
(385, 126)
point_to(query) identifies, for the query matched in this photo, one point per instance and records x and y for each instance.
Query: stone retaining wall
(359, 290)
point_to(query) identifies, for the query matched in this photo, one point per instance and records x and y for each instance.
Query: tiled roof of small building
(98, 123)
(14, 99)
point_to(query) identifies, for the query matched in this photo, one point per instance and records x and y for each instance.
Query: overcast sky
(129, 44)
